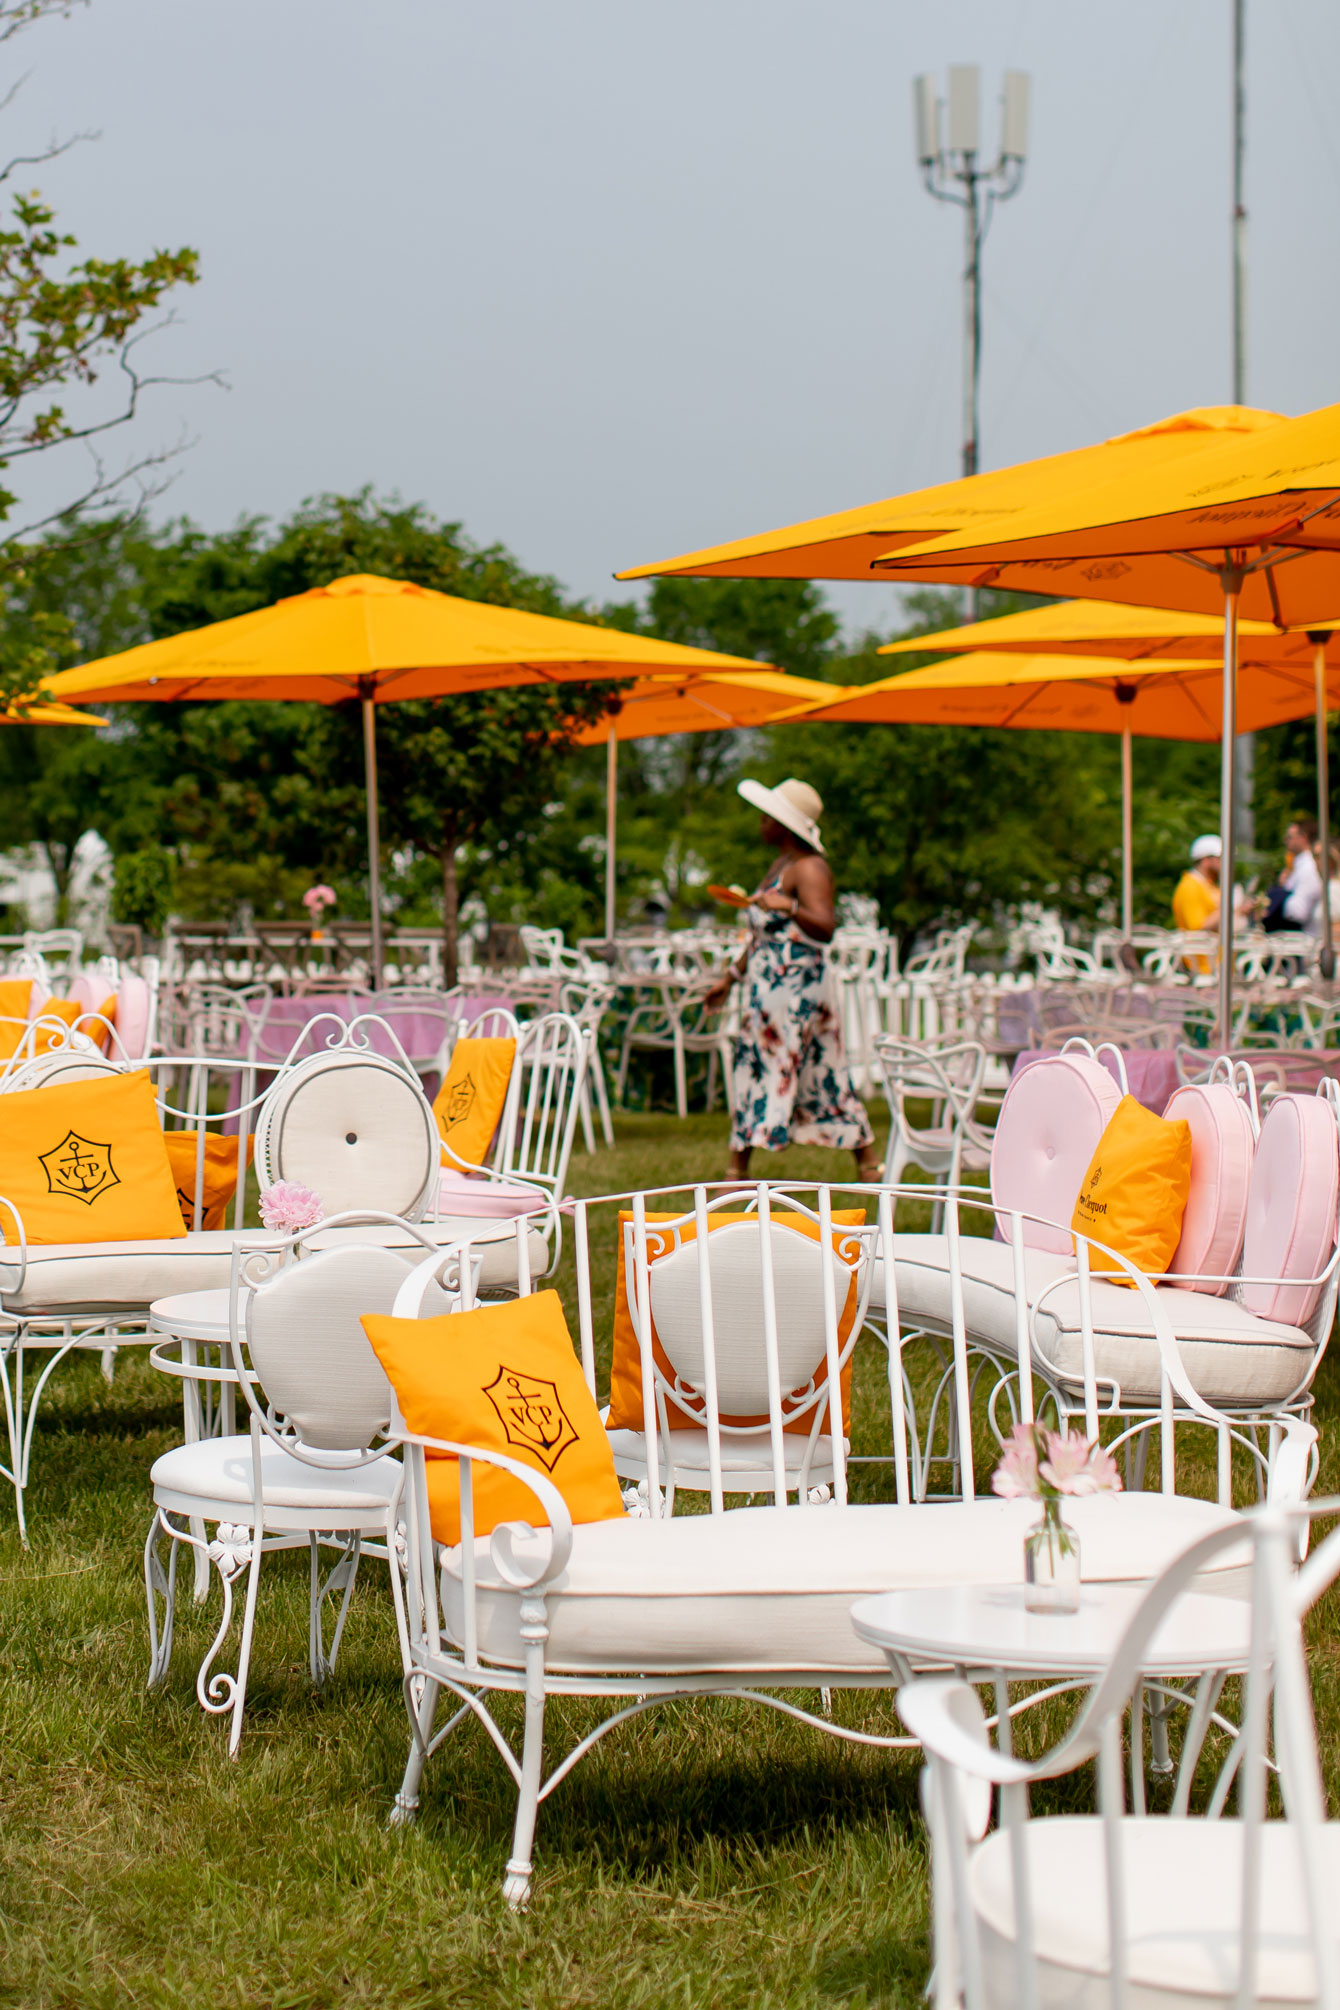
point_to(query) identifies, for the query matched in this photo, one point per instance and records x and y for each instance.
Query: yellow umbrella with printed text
(845, 545)
(1252, 526)
(657, 707)
(378, 640)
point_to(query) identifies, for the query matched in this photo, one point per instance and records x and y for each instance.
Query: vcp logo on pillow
(79, 1169)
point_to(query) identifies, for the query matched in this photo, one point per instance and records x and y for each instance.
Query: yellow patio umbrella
(1252, 525)
(40, 714)
(1293, 673)
(1075, 694)
(844, 546)
(659, 706)
(377, 640)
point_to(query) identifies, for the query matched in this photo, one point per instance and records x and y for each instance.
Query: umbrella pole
(1127, 868)
(611, 827)
(1319, 641)
(374, 834)
(1231, 578)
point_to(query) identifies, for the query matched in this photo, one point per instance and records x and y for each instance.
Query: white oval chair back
(354, 1127)
(305, 1336)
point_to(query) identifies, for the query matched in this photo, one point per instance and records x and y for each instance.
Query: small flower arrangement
(316, 900)
(1050, 1467)
(288, 1207)
(1043, 1465)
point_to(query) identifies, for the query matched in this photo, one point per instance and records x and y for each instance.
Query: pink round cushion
(86, 993)
(1052, 1117)
(1291, 1206)
(486, 1199)
(132, 1018)
(1222, 1147)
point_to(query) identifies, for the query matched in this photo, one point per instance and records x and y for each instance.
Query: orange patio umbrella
(1252, 525)
(1291, 673)
(377, 640)
(1074, 694)
(658, 706)
(845, 545)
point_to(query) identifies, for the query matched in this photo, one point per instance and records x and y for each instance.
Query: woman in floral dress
(790, 1082)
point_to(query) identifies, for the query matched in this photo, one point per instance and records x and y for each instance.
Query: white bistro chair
(309, 1471)
(1120, 1907)
(948, 1077)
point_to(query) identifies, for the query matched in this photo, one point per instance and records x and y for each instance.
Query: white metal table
(986, 1635)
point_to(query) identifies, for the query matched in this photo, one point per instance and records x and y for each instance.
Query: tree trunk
(451, 903)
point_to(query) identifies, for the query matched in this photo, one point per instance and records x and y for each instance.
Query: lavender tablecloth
(1151, 1072)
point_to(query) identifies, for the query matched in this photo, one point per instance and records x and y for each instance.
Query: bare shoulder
(812, 875)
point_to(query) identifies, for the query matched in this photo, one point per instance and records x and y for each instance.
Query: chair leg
(160, 1583)
(406, 1803)
(681, 1076)
(233, 1553)
(340, 1577)
(602, 1096)
(584, 1112)
(516, 1880)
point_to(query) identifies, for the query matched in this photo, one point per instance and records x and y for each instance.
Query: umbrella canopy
(376, 640)
(1291, 674)
(1076, 694)
(1253, 525)
(844, 546)
(659, 706)
(40, 714)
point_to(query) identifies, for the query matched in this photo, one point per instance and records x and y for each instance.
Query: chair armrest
(13, 1281)
(544, 1490)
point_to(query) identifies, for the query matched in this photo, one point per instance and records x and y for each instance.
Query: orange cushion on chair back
(1134, 1194)
(219, 1181)
(503, 1377)
(469, 1105)
(625, 1411)
(86, 1162)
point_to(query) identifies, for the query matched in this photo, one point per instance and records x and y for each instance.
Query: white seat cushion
(219, 1470)
(1183, 1882)
(771, 1589)
(1230, 1355)
(743, 1453)
(126, 1277)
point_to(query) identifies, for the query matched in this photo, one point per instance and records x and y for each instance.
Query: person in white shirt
(1302, 902)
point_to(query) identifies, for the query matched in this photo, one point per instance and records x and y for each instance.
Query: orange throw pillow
(86, 1162)
(505, 1378)
(625, 1411)
(219, 1183)
(469, 1105)
(15, 996)
(1134, 1194)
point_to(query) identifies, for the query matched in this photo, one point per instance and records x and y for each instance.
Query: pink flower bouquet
(317, 899)
(288, 1207)
(1043, 1465)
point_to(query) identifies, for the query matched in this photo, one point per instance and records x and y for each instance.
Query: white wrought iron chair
(1121, 1907)
(311, 1470)
(949, 1078)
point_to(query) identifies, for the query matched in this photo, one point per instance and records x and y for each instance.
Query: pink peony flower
(318, 897)
(1016, 1477)
(289, 1206)
(1074, 1466)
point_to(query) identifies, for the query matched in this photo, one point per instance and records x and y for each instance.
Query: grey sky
(612, 279)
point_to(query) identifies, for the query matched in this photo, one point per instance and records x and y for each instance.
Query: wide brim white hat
(794, 805)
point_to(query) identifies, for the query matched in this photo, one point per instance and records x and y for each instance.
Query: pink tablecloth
(1152, 1072)
(418, 1028)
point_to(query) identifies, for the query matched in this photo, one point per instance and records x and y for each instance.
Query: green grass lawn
(708, 1853)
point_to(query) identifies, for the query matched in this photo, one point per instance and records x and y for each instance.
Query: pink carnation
(1016, 1477)
(288, 1206)
(317, 897)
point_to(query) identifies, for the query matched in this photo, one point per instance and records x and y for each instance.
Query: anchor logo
(460, 1101)
(532, 1416)
(79, 1169)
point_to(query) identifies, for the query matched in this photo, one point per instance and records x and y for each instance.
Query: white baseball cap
(1206, 847)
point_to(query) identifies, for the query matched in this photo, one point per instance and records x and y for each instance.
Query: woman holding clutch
(790, 1082)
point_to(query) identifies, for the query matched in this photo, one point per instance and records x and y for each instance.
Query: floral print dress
(790, 1083)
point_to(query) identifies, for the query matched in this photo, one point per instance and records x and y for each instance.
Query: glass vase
(1051, 1563)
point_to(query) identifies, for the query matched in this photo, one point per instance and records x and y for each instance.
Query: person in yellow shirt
(1195, 903)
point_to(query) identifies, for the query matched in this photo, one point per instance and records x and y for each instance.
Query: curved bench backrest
(354, 1127)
